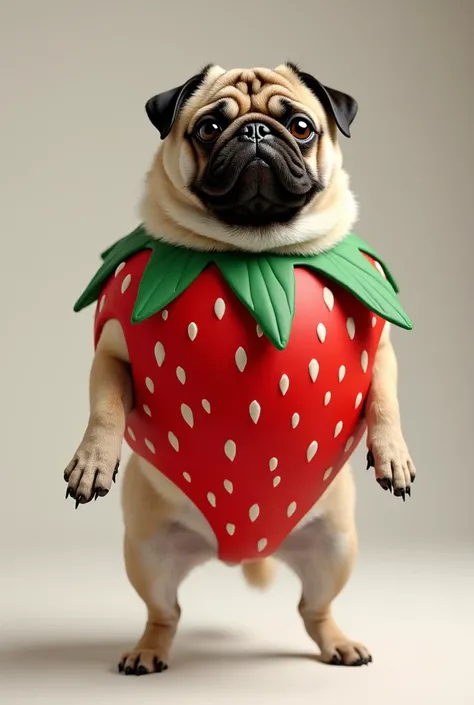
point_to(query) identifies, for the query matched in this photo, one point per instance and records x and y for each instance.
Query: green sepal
(368, 250)
(346, 265)
(140, 230)
(265, 284)
(120, 252)
(169, 272)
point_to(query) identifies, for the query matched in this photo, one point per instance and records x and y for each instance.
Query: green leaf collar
(264, 283)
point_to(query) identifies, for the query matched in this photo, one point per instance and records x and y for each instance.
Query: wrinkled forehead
(259, 90)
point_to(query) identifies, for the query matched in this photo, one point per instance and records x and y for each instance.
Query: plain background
(75, 145)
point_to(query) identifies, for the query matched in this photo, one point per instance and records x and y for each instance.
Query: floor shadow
(194, 648)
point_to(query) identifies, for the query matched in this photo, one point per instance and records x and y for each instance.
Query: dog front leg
(95, 464)
(387, 450)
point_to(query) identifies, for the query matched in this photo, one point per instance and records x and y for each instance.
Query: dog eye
(208, 130)
(301, 129)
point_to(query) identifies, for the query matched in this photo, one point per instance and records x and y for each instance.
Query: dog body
(251, 163)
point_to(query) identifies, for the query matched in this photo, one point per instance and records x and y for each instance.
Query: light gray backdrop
(75, 144)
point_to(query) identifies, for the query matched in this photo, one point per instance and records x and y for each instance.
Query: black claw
(385, 483)
(129, 671)
(370, 659)
(400, 492)
(336, 660)
(359, 662)
(68, 492)
(121, 666)
(370, 460)
(114, 476)
(96, 494)
(142, 670)
(408, 491)
(159, 666)
(413, 478)
(78, 500)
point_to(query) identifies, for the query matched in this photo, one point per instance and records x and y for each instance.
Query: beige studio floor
(67, 615)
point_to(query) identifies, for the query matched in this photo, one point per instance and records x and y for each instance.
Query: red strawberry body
(252, 434)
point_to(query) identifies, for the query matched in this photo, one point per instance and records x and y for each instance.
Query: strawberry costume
(250, 372)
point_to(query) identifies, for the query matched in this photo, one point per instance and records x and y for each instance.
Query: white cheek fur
(187, 165)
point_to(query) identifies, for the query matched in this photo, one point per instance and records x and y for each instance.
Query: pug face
(250, 157)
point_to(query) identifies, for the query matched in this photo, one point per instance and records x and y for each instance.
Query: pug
(250, 161)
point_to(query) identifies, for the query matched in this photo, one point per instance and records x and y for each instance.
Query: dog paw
(388, 455)
(94, 467)
(141, 663)
(346, 653)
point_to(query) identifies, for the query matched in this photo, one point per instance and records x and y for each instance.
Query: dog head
(250, 157)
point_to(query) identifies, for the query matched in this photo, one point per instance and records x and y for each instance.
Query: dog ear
(163, 109)
(341, 106)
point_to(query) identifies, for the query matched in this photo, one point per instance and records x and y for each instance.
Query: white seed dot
(321, 331)
(351, 328)
(349, 444)
(131, 434)
(276, 481)
(374, 321)
(295, 419)
(147, 409)
(150, 385)
(255, 411)
(187, 414)
(149, 445)
(380, 269)
(314, 370)
(126, 283)
(206, 406)
(228, 486)
(230, 449)
(358, 400)
(159, 354)
(284, 384)
(119, 268)
(254, 512)
(173, 441)
(241, 359)
(338, 429)
(165, 314)
(187, 476)
(219, 308)
(328, 297)
(291, 509)
(102, 303)
(312, 450)
(273, 464)
(327, 398)
(364, 360)
(259, 330)
(211, 498)
(181, 375)
(342, 373)
(230, 528)
(327, 474)
(262, 544)
(192, 331)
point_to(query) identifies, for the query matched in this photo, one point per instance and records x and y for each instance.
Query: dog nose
(254, 131)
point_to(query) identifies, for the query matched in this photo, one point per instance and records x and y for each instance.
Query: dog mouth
(256, 182)
(257, 198)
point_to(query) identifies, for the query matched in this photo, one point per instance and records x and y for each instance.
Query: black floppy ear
(341, 106)
(163, 108)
